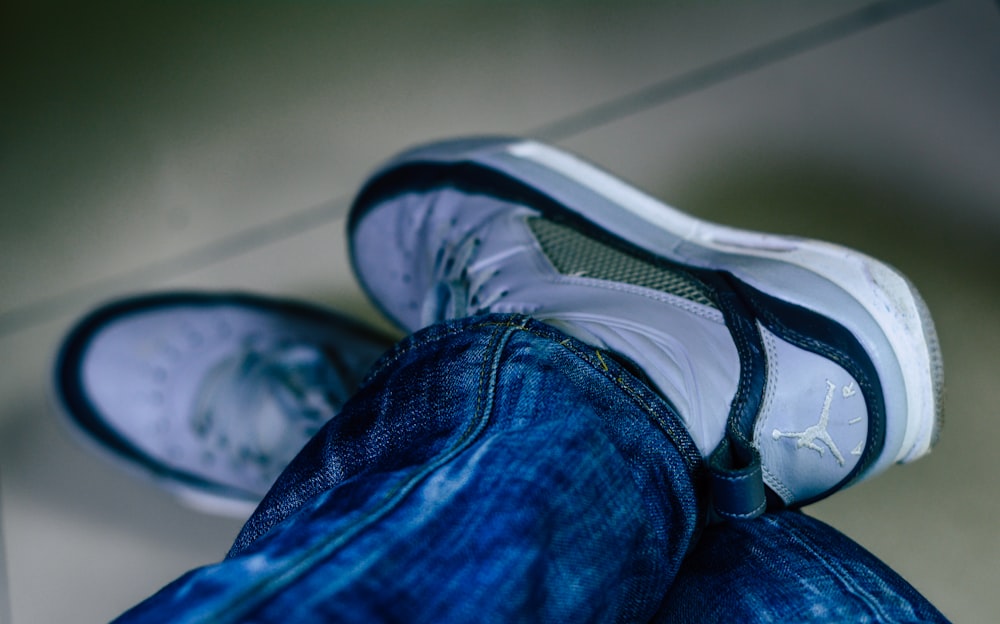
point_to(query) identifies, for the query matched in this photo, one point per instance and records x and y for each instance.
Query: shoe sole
(871, 299)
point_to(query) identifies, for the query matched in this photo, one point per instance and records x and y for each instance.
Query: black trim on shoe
(836, 343)
(738, 491)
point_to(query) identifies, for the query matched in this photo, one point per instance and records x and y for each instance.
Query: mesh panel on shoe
(573, 253)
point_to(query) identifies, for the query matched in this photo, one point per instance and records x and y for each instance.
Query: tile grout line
(31, 314)
(210, 253)
(731, 67)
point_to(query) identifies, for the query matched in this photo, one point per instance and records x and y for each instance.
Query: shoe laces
(460, 279)
(256, 410)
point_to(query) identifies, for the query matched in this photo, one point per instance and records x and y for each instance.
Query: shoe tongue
(257, 409)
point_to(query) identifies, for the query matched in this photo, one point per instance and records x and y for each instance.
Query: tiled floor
(217, 146)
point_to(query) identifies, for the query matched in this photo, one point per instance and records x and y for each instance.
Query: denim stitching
(837, 571)
(684, 444)
(260, 592)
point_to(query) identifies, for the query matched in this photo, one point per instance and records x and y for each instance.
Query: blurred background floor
(157, 145)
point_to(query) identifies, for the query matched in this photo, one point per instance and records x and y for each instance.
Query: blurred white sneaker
(211, 395)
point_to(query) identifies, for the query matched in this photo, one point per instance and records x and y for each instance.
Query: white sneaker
(211, 395)
(795, 364)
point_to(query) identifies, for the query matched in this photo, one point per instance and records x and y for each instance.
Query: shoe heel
(885, 294)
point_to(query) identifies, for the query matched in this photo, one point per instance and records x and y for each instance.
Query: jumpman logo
(811, 437)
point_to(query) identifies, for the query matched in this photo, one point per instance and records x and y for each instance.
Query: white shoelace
(257, 409)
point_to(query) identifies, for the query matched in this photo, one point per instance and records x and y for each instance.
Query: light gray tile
(136, 132)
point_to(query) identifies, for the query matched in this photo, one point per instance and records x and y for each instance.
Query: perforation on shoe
(573, 253)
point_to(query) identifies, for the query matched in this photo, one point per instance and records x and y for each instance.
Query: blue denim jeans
(492, 470)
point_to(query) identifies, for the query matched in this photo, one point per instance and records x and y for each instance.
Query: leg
(491, 470)
(788, 567)
(793, 368)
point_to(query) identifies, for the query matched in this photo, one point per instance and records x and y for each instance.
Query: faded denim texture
(494, 470)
